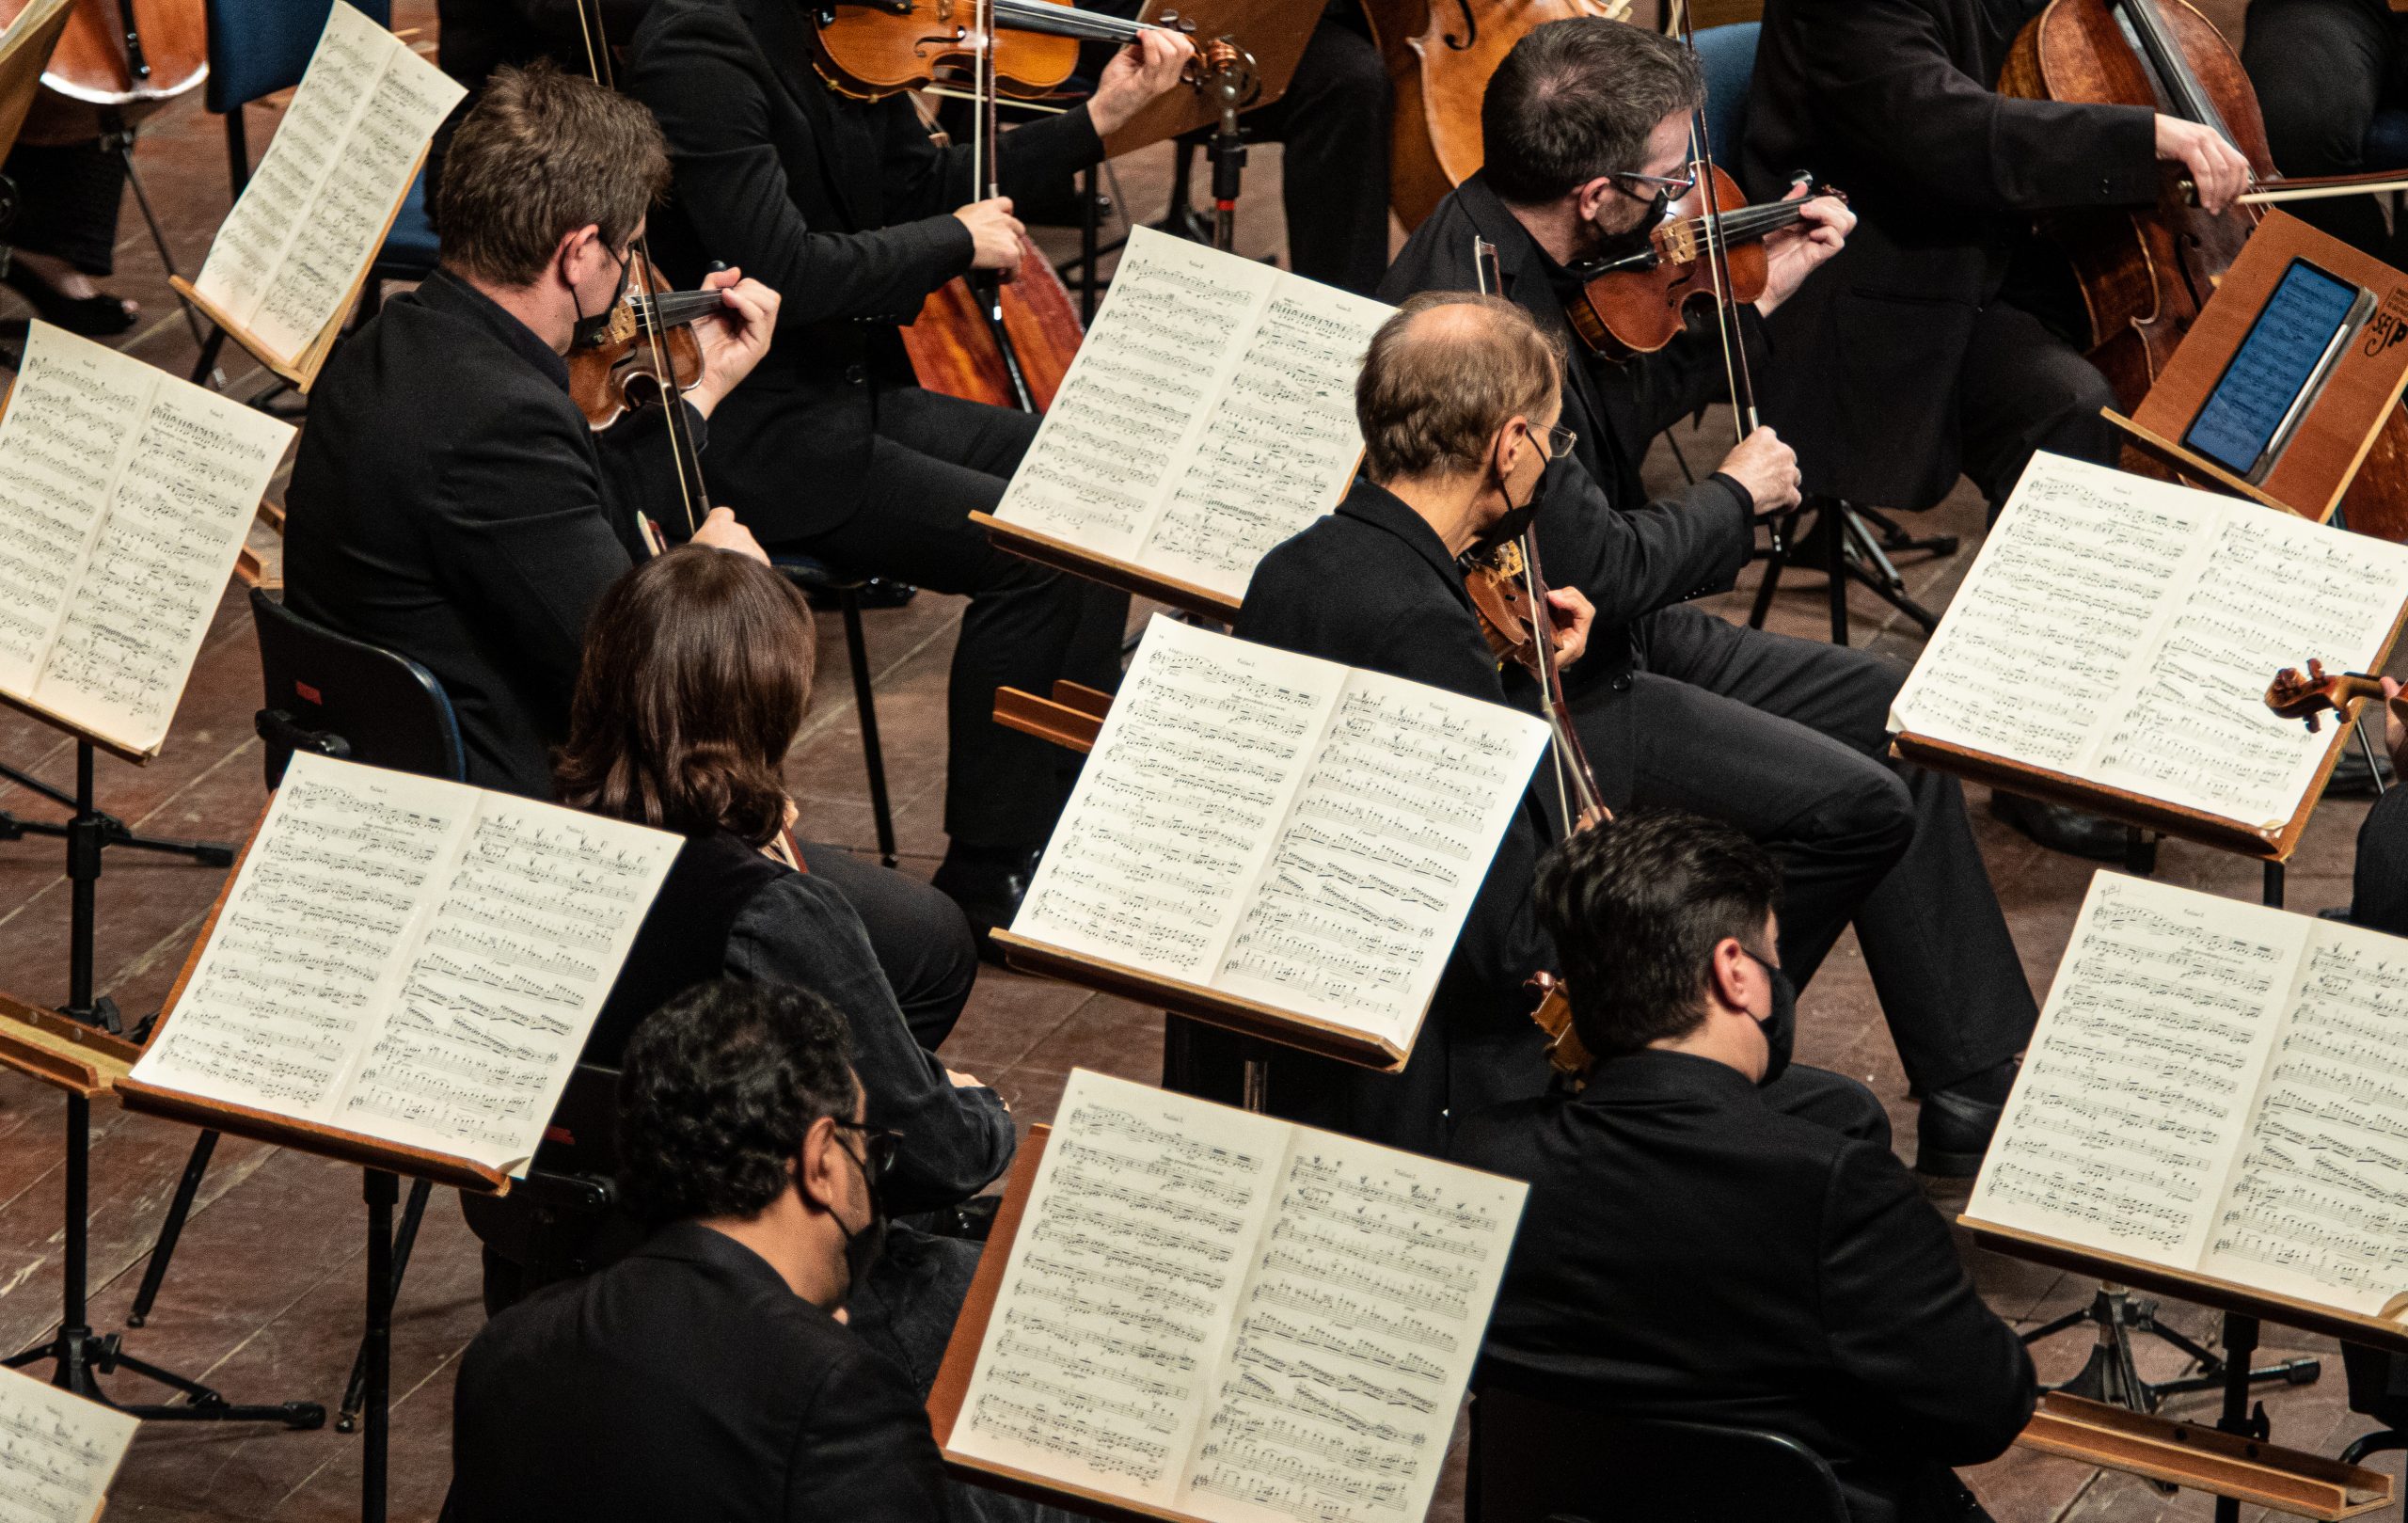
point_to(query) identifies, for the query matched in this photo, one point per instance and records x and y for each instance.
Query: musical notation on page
(1283, 830)
(58, 1452)
(1208, 415)
(125, 494)
(2117, 630)
(411, 959)
(1233, 1318)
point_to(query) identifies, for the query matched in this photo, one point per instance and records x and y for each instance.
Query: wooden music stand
(2341, 420)
(302, 369)
(2204, 1459)
(26, 46)
(85, 1064)
(1125, 575)
(1274, 32)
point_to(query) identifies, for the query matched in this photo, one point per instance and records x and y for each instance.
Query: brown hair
(1442, 375)
(1578, 99)
(542, 154)
(697, 671)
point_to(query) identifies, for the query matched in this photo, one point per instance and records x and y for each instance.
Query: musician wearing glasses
(1587, 125)
(848, 207)
(709, 1374)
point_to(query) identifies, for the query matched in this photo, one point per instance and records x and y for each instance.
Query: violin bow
(686, 459)
(987, 184)
(1718, 255)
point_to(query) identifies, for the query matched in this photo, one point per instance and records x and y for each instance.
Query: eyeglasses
(1560, 441)
(879, 1148)
(1676, 187)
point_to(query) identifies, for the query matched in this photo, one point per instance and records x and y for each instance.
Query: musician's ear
(1588, 196)
(569, 254)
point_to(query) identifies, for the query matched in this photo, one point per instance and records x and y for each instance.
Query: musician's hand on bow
(1572, 613)
(1766, 468)
(1791, 254)
(1591, 818)
(1136, 74)
(2217, 169)
(734, 339)
(994, 235)
(720, 531)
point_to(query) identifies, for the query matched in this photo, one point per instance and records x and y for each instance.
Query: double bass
(2144, 274)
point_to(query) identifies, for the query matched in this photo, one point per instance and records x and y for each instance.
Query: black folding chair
(333, 696)
(1546, 1458)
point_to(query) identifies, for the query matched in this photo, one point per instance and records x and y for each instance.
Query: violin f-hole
(1471, 29)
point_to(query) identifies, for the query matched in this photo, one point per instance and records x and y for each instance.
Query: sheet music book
(1283, 830)
(1215, 1315)
(58, 1452)
(125, 493)
(407, 961)
(2218, 1088)
(1208, 415)
(291, 255)
(2119, 632)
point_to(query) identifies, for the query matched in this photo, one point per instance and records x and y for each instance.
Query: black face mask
(863, 1247)
(1780, 1026)
(1635, 241)
(590, 331)
(1515, 519)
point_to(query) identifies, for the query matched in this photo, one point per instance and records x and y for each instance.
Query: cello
(124, 54)
(2145, 274)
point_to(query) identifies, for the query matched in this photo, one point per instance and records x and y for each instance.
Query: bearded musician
(1586, 125)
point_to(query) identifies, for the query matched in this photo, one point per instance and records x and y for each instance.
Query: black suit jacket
(1688, 1252)
(1371, 585)
(449, 503)
(1630, 556)
(685, 1381)
(1893, 102)
(841, 206)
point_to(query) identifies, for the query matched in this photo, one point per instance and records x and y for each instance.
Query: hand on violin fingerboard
(1572, 613)
(734, 339)
(1793, 253)
(1136, 74)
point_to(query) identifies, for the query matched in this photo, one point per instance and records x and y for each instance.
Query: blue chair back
(336, 696)
(1542, 1458)
(1728, 56)
(259, 47)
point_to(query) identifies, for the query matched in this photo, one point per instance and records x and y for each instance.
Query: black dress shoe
(2060, 828)
(987, 884)
(1953, 1134)
(95, 316)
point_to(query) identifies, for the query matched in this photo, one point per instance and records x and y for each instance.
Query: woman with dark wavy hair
(696, 674)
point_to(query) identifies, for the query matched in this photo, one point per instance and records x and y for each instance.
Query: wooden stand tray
(2197, 1455)
(1064, 556)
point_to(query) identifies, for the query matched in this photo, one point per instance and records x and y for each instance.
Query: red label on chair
(307, 691)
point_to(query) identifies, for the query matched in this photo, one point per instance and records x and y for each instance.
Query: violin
(2304, 698)
(625, 367)
(1638, 303)
(1566, 1052)
(2145, 274)
(869, 49)
(1439, 54)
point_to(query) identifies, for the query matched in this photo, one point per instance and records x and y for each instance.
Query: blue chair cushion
(812, 576)
(2387, 144)
(410, 247)
(1727, 55)
(259, 47)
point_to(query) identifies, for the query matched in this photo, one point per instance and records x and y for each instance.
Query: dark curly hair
(1578, 99)
(1637, 907)
(718, 1088)
(696, 675)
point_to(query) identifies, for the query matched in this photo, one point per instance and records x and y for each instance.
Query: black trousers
(67, 202)
(918, 936)
(937, 459)
(2321, 68)
(2023, 387)
(1334, 175)
(1784, 740)
(2379, 901)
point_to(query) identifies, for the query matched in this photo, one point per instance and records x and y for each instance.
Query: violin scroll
(2304, 698)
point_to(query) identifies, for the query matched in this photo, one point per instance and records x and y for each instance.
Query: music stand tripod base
(2110, 1374)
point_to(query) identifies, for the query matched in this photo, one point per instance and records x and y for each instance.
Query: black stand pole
(381, 1189)
(80, 1357)
(2239, 1343)
(90, 830)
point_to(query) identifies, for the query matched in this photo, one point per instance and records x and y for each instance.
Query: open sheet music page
(1209, 415)
(58, 1452)
(1282, 829)
(2218, 1087)
(286, 261)
(1234, 1318)
(2121, 631)
(124, 495)
(411, 959)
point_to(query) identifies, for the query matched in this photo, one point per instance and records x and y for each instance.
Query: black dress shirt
(1688, 1252)
(841, 206)
(450, 502)
(1372, 585)
(685, 1381)
(1896, 102)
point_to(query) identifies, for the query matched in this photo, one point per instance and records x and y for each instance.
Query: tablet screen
(2275, 363)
